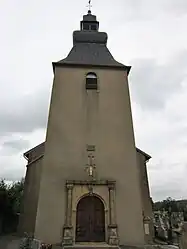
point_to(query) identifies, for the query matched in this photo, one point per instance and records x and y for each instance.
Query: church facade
(87, 183)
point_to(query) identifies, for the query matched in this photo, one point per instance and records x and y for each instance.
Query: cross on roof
(89, 5)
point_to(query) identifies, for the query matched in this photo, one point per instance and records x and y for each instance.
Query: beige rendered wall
(147, 205)
(31, 190)
(101, 118)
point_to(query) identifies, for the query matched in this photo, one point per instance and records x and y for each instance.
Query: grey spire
(90, 47)
(89, 22)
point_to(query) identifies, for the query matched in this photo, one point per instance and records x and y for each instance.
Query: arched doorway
(90, 221)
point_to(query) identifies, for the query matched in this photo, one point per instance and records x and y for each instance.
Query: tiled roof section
(90, 49)
(92, 54)
(41, 147)
(93, 37)
(85, 36)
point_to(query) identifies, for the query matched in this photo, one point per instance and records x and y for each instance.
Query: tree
(15, 194)
(3, 197)
(10, 203)
(168, 204)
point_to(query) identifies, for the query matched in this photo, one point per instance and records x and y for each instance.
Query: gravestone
(183, 239)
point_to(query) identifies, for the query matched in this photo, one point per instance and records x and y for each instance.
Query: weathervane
(89, 6)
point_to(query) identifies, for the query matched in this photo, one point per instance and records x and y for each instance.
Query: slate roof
(90, 49)
(92, 54)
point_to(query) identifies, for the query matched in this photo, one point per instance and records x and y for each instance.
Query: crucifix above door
(90, 166)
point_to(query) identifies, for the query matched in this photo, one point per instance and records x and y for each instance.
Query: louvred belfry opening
(91, 81)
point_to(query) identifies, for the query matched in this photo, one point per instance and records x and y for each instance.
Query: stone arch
(93, 194)
(90, 219)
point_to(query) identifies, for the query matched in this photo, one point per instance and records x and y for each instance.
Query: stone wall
(184, 237)
(30, 199)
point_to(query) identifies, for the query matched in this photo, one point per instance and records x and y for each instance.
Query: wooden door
(90, 222)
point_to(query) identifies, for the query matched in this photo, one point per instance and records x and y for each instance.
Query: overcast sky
(149, 35)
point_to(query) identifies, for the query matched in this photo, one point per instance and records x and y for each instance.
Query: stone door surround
(103, 189)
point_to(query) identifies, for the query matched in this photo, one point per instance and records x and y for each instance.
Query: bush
(10, 204)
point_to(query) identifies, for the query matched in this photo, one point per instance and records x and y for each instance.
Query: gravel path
(9, 242)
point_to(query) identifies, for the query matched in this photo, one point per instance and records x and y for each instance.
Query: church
(87, 183)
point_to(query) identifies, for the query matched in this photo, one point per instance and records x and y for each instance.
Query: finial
(89, 7)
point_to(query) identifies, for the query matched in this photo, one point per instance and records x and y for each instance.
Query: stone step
(105, 246)
(92, 246)
(150, 247)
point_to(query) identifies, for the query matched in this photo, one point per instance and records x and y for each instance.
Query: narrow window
(91, 81)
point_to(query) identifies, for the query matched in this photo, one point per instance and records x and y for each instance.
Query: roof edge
(63, 64)
(34, 148)
(36, 159)
(147, 156)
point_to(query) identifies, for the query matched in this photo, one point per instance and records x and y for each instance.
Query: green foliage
(10, 201)
(172, 205)
(15, 194)
(3, 197)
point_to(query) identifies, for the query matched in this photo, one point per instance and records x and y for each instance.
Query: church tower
(90, 186)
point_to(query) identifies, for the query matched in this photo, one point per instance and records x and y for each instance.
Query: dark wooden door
(90, 222)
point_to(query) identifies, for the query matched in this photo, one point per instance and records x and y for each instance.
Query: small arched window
(91, 81)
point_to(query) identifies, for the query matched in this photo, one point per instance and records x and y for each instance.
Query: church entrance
(90, 221)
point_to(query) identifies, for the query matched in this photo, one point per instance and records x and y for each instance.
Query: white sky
(149, 35)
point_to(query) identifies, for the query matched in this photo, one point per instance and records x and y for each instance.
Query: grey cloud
(12, 173)
(167, 179)
(12, 166)
(164, 187)
(150, 9)
(29, 47)
(25, 113)
(16, 145)
(161, 193)
(153, 84)
(176, 6)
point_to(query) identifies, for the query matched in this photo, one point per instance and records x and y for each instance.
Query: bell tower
(90, 161)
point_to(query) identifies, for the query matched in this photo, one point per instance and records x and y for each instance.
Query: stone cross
(89, 5)
(90, 166)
